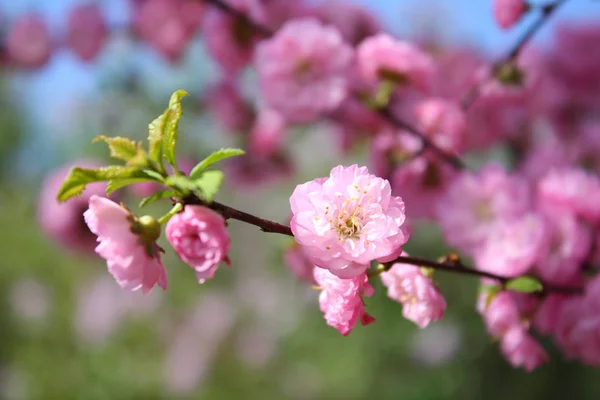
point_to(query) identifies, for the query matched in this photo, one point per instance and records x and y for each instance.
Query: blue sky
(65, 80)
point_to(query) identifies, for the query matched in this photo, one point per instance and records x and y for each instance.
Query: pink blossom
(28, 42)
(230, 40)
(475, 203)
(354, 121)
(132, 259)
(578, 326)
(63, 222)
(279, 12)
(501, 314)
(574, 67)
(354, 22)
(267, 134)
(341, 300)
(547, 314)
(443, 122)
(509, 12)
(500, 111)
(387, 150)
(547, 155)
(574, 190)
(227, 106)
(168, 25)
(347, 220)
(86, 31)
(298, 263)
(200, 238)
(302, 69)
(521, 350)
(570, 243)
(382, 57)
(422, 181)
(512, 247)
(422, 302)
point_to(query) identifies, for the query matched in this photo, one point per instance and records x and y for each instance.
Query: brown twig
(275, 227)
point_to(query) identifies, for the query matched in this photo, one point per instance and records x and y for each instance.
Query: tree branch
(546, 12)
(275, 227)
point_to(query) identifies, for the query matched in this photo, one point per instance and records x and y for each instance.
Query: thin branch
(546, 12)
(275, 227)
(386, 113)
(452, 159)
(223, 6)
(232, 213)
(461, 269)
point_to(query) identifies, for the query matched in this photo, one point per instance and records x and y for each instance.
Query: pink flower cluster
(344, 222)
(503, 317)
(128, 243)
(29, 42)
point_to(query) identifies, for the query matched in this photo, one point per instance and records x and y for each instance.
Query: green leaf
(491, 291)
(208, 184)
(179, 182)
(524, 284)
(78, 178)
(156, 196)
(162, 135)
(214, 158)
(125, 149)
(117, 184)
(155, 175)
(172, 125)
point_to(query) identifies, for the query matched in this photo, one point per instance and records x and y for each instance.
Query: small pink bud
(199, 236)
(509, 12)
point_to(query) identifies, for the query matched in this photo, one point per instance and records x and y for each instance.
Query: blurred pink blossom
(521, 350)
(86, 31)
(475, 203)
(513, 246)
(382, 57)
(28, 42)
(63, 222)
(509, 12)
(303, 69)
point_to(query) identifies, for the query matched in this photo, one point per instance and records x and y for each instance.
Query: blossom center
(349, 225)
